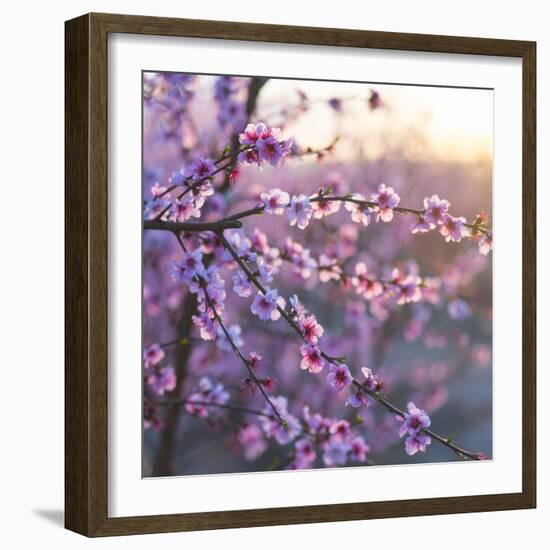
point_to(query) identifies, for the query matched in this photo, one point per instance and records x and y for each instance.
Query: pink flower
(214, 393)
(259, 241)
(253, 132)
(415, 420)
(452, 228)
(485, 244)
(266, 145)
(311, 329)
(435, 209)
(275, 201)
(254, 359)
(205, 325)
(268, 383)
(251, 438)
(300, 211)
(305, 453)
(178, 177)
(324, 207)
(409, 290)
(481, 355)
(356, 400)
(386, 199)
(372, 381)
(241, 285)
(202, 168)
(421, 225)
(265, 270)
(162, 381)
(430, 290)
(250, 156)
(153, 355)
(297, 307)
(359, 212)
(156, 206)
(270, 150)
(265, 306)
(311, 359)
(339, 376)
(201, 192)
(336, 453)
(157, 190)
(417, 443)
(243, 246)
(359, 449)
(367, 287)
(190, 266)
(182, 210)
(459, 309)
(340, 430)
(302, 261)
(209, 392)
(273, 428)
(247, 386)
(329, 269)
(214, 286)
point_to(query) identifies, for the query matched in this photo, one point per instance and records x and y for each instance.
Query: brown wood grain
(86, 273)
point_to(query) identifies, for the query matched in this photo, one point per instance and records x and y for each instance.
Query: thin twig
(246, 362)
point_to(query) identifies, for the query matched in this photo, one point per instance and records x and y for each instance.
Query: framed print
(300, 275)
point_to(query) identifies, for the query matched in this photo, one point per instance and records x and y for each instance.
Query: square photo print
(317, 274)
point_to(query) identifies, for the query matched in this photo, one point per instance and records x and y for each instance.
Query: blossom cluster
(208, 393)
(262, 144)
(196, 181)
(302, 208)
(169, 95)
(207, 284)
(413, 423)
(335, 439)
(436, 215)
(315, 436)
(159, 379)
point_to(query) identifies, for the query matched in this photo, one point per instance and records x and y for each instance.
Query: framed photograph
(300, 275)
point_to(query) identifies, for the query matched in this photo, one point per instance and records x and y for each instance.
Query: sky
(418, 122)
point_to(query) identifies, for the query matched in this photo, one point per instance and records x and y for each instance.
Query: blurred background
(437, 352)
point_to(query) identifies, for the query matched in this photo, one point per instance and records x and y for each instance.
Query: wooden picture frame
(86, 222)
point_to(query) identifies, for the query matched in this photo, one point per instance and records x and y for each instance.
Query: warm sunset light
(418, 122)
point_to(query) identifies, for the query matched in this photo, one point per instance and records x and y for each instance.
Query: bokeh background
(419, 140)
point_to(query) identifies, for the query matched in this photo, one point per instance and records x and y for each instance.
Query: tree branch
(175, 227)
(375, 395)
(369, 204)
